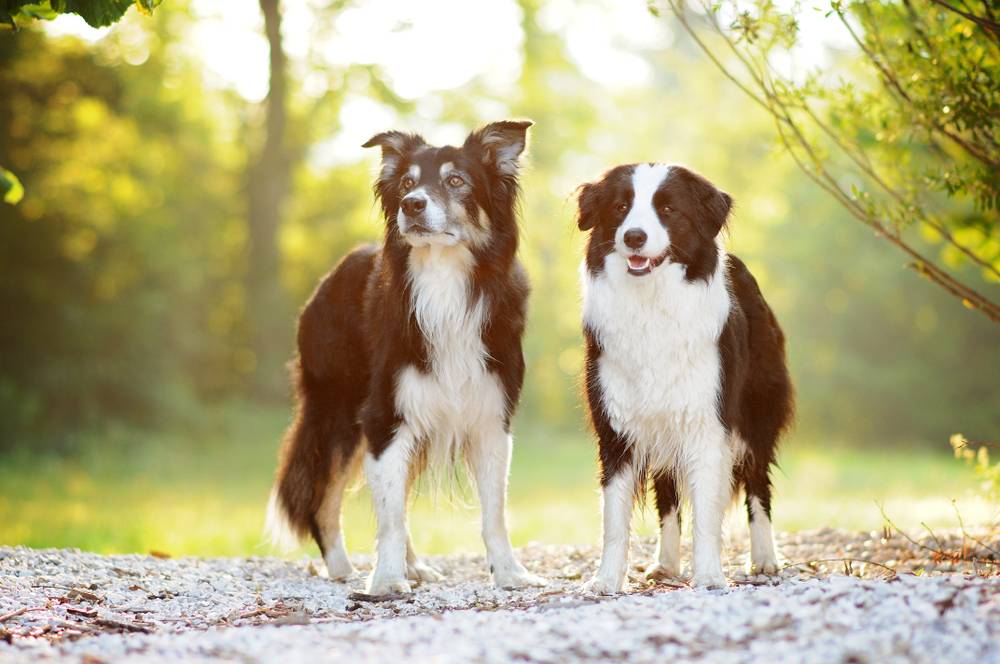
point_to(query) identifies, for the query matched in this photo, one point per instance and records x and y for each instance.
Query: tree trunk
(268, 182)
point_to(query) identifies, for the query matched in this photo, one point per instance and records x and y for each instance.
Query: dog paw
(387, 585)
(710, 580)
(600, 586)
(661, 572)
(517, 577)
(418, 571)
(767, 567)
(339, 568)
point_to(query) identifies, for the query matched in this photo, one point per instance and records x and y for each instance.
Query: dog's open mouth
(639, 265)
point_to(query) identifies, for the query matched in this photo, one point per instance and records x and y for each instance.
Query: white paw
(380, 584)
(768, 567)
(599, 585)
(339, 568)
(516, 577)
(418, 571)
(661, 572)
(710, 580)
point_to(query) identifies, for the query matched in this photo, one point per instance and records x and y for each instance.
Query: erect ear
(500, 144)
(588, 200)
(394, 145)
(713, 205)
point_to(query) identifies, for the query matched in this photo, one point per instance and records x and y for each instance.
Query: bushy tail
(315, 455)
(321, 445)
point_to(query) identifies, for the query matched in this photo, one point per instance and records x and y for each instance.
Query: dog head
(643, 215)
(450, 195)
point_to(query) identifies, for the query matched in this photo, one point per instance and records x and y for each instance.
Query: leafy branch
(810, 119)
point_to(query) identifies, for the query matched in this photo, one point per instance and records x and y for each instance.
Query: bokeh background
(153, 269)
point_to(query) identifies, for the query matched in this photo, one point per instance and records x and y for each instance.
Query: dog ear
(588, 200)
(394, 145)
(716, 206)
(712, 204)
(500, 144)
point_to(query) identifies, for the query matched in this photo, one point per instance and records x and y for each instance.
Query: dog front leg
(618, 497)
(710, 481)
(388, 475)
(489, 457)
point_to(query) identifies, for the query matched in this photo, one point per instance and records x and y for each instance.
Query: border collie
(685, 368)
(409, 354)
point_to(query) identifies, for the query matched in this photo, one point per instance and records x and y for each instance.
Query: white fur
(763, 559)
(617, 498)
(459, 396)
(489, 460)
(646, 179)
(668, 549)
(338, 565)
(276, 525)
(388, 478)
(457, 407)
(660, 375)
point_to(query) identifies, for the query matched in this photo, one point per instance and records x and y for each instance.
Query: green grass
(204, 493)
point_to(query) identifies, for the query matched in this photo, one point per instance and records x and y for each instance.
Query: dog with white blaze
(686, 378)
(409, 354)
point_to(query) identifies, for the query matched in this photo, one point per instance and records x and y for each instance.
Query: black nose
(635, 238)
(413, 205)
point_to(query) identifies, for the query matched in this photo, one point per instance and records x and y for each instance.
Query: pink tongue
(637, 262)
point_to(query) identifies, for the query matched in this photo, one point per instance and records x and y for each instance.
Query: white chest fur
(458, 396)
(660, 370)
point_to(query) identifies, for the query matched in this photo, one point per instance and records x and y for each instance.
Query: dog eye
(408, 183)
(455, 181)
(622, 207)
(665, 209)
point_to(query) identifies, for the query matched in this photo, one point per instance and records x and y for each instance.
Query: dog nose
(413, 205)
(635, 238)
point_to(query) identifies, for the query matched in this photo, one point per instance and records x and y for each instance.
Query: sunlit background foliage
(132, 325)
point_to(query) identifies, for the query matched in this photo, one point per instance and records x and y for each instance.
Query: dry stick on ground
(13, 614)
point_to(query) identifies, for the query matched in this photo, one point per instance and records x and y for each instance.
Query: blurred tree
(121, 265)
(911, 140)
(97, 13)
(268, 175)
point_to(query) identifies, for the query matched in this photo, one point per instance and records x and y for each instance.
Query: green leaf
(97, 13)
(11, 190)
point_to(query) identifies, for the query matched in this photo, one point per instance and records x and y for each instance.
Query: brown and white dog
(410, 354)
(685, 371)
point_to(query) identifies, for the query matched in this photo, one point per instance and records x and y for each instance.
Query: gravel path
(63, 604)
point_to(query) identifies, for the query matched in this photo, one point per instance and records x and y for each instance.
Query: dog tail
(320, 447)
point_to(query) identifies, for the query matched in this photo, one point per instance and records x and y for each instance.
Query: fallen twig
(118, 624)
(13, 614)
(365, 597)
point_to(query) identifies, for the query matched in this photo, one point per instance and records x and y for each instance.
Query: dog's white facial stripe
(434, 219)
(646, 179)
